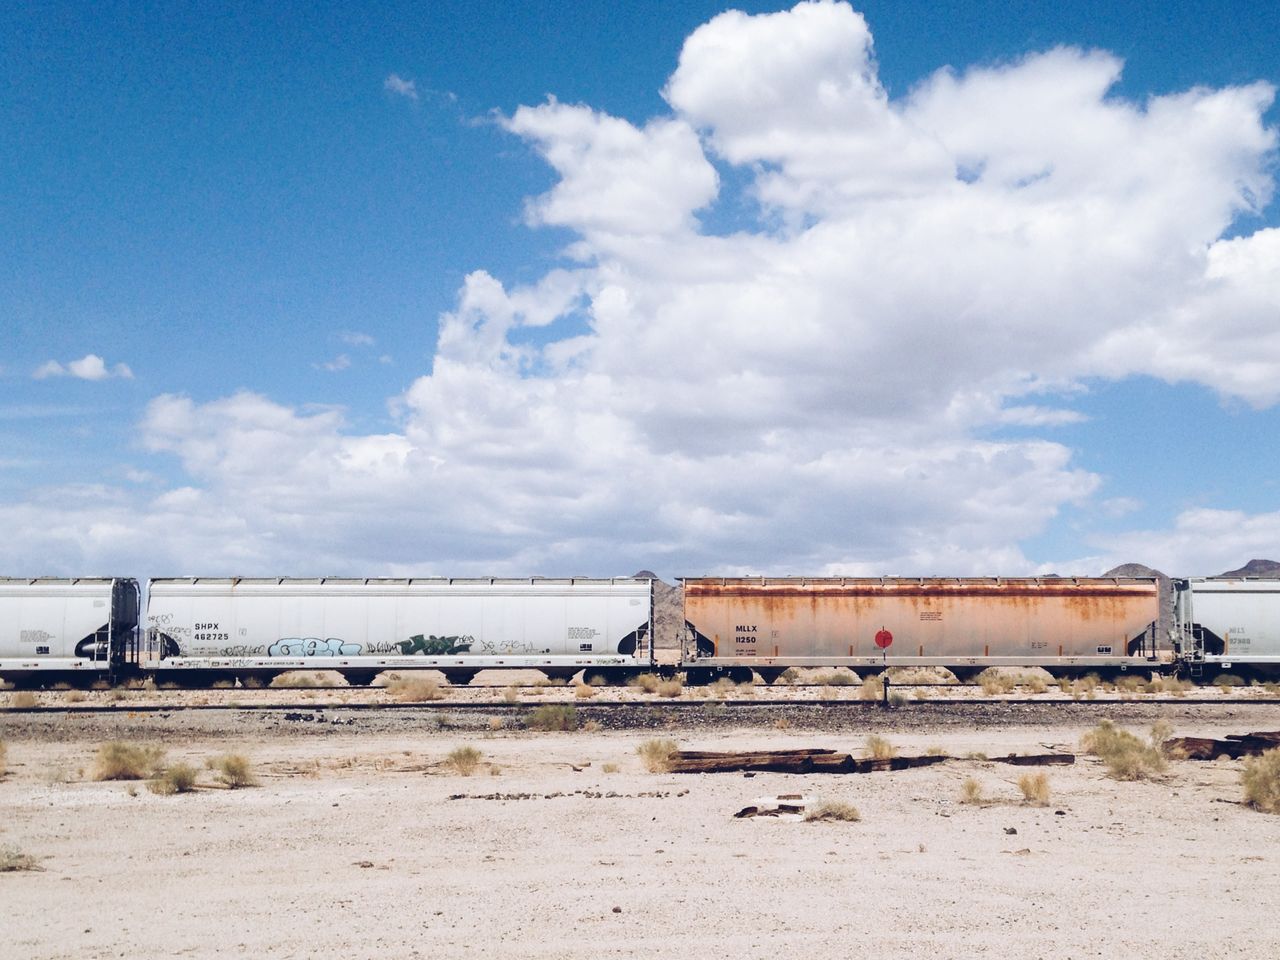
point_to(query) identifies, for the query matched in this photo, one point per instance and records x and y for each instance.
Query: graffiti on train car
(312, 647)
(433, 646)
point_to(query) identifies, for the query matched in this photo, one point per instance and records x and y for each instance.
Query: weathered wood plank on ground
(828, 761)
(1236, 745)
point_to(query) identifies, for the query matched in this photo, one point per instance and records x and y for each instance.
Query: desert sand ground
(361, 842)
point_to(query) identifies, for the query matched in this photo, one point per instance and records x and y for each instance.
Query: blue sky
(283, 203)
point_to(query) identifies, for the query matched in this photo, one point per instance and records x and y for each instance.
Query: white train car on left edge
(200, 629)
(72, 630)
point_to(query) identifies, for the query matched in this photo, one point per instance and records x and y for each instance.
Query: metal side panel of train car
(73, 626)
(456, 625)
(967, 622)
(1226, 624)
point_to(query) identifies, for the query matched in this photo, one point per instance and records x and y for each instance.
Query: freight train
(198, 630)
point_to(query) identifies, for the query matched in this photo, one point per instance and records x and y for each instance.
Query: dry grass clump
(232, 769)
(74, 696)
(118, 760)
(833, 810)
(177, 778)
(552, 716)
(934, 751)
(878, 748)
(1085, 687)
(656, 754)
(1225, 682)
(1172, 685)
(415, 689)
(1130, 684)
(511, 695)
(1036, 684)
(872, 689)
(912, 675)
(584, 691)
(610, 768)
(296, 680)
(971, 791)
(464, 760)
(23, 700)
(841, 678)
(648, 682)
(789, 675)
(1126, 756)
(1261, 780)
(671, 688)
(1035, 788)
(722, 688)
(13, 860)
(995, 681)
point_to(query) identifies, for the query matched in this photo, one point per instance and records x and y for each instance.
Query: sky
(899, 288)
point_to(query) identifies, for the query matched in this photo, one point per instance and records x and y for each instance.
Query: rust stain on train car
(963, 617)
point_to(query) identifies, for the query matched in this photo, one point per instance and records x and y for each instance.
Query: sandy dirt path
(367, 845)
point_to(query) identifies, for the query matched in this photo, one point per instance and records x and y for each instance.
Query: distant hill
(1256, 568)
(668, 615)
(1165, 624)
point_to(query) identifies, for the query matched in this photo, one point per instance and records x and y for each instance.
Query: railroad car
(1067, 625)
(1228, 625)
(200, 629)
(66, 630)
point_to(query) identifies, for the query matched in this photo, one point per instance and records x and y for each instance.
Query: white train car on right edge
(1228, 625)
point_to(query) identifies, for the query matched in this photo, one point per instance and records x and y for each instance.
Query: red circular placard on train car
(883, 639)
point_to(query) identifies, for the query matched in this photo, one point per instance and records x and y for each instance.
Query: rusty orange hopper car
(1067, 625)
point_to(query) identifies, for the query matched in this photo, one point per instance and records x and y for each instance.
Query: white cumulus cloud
(89, 367)
(830, 387)
(400, 86)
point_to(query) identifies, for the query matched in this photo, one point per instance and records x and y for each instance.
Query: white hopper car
(199, 629)
(1228, 625)
(56, 630)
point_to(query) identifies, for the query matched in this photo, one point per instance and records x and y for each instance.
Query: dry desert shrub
(118, 760)
(671, 688)
(13, 860)
(610, 768)
(970, 791)
(1126, 756)
(552, 716)
(841, 678)
(511, 695)
(1261, 780)
(1130, 684)
(656, 754)
(416, 689)
(496, 724)
(648, 682)
(232, 769)
(74, 696)
(1226, 681)
(1035, 788)
(1272, 688)
(833, 810)
(878, 748)
(872, 689)
(782, 723)
(464, 760)
(1167, 685)
(23, 700)
(177, 778)
(995, 681)
(584, 691)
(912, 675)
(789, 675)
(296, 680)
(592, 726)
(934, 751)
(722, 688)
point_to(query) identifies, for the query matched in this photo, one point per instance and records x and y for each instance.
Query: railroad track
(875, 706)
